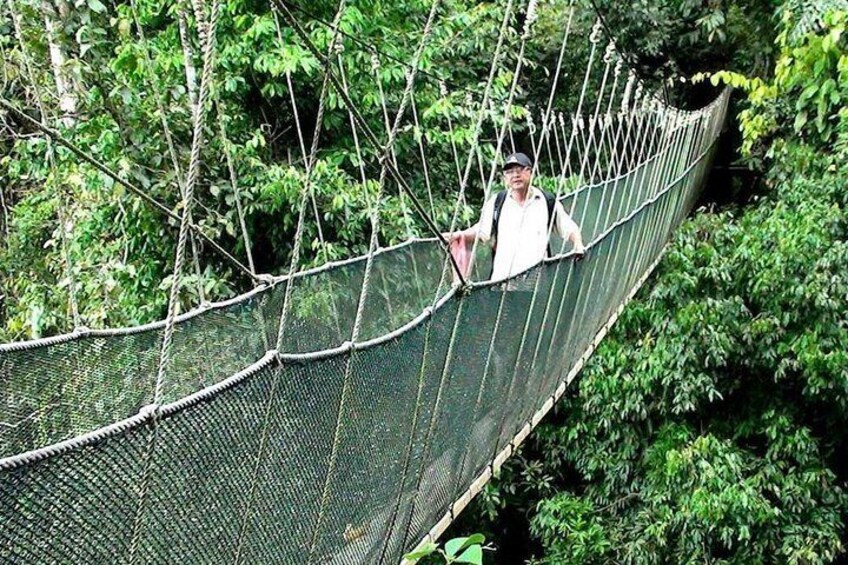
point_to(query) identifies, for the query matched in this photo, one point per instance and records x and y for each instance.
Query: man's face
(518, 178)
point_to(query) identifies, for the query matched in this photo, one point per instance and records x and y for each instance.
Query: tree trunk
(188, 61)
(58, 60)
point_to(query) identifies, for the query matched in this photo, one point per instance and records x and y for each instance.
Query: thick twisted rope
(173, 300)
(308, 181)
(385, 165)
(150, 79)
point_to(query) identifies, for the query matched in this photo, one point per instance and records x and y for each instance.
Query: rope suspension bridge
(345, 413)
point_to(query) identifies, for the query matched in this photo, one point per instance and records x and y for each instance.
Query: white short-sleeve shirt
(522, 231)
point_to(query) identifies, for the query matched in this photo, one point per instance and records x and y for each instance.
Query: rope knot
(595, 36)
(149, 410)
(532, 16)
(609, 52)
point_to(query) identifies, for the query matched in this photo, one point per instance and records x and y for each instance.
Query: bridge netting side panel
(57, 389)
(345, 456)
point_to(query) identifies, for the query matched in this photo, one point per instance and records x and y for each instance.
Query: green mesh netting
(346, 456)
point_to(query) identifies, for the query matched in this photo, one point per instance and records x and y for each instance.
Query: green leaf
(800, 120)
(454, 546)
(478, 539)
(426, 549)
(96, 6)
(473, 554)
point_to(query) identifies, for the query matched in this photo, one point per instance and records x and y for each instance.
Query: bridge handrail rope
(274, 356)
(329, 265)
(219, 388)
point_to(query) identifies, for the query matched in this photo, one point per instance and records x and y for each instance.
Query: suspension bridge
(349, 412)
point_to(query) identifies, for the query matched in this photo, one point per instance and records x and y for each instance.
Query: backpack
(550, 200)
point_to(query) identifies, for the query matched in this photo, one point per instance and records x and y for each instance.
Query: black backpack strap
(550, 200)
(500, 198)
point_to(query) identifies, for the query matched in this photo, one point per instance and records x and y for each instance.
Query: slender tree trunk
(5, 211)
(58, 59)
(188, 61)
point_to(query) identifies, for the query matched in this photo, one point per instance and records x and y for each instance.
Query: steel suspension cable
(140, 193)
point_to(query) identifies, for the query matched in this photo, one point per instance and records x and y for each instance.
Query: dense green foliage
(710, 425)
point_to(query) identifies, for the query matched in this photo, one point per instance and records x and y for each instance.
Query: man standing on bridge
(518, 221)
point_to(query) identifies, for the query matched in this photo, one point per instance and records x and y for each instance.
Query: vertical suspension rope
(179, 259)
(307, 187)
(306, 192)
(419, 134)
(473, 152)
(231, 169)
(544, 139)
(525, 36)
(376, 65)
(384, 169)
(301, 141)
(150, 79)
(369, 134)
(188, 197)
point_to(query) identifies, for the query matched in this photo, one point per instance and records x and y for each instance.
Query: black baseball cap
(517, 160)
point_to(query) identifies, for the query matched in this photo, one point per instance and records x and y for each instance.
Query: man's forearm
(577, 241)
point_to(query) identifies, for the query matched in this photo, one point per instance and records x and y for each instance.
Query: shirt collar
(532, 193)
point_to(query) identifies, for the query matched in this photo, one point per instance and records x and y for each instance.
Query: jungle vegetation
(710, 425)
